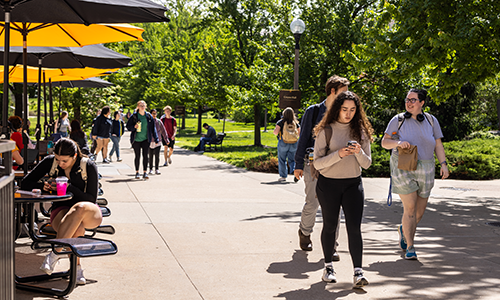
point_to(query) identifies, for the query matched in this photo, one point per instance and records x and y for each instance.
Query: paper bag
(408, 158)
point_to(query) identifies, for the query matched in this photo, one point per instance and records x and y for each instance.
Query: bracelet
(444, 163)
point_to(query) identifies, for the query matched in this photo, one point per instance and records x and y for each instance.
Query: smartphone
(350, 143)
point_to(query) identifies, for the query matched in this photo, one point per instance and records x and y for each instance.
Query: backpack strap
(328, 135)
(429, 118)
(53, 169)
(83, 168)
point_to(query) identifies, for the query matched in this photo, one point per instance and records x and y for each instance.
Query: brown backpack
(328, 134)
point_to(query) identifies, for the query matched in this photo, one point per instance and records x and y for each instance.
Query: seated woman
(68, 218)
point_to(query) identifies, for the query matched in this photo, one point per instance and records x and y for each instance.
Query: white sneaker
(359, 280)
(157, 172)
(80, 279)
(281, 179)
(49, 263)
(150, 172)
(169, 160)
(329, 275)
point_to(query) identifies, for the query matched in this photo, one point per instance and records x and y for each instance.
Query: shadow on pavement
(297, 267)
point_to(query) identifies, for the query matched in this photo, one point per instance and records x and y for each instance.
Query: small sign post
(289, 98)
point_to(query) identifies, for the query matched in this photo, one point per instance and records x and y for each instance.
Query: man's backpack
(290, 133)
(83, 167)
(328, 136)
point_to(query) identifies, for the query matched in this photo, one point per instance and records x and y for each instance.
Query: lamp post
(297, 27)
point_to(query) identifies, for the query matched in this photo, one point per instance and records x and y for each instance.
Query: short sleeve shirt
(143, 134)
(422, 134)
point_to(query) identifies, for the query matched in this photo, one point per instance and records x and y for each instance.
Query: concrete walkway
(206, 230)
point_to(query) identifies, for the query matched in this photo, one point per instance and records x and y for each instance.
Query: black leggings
(348, 193)
(156, 153)
(144, 145)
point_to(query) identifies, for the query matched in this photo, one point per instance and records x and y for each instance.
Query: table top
(29, 197)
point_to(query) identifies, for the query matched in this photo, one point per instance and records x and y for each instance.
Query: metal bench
(218, 141)
(74, 247)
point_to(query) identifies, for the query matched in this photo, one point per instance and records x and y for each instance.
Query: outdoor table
(27, 200)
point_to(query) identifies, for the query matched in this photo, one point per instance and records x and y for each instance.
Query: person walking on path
(287, 130)
(170, 124)
(154, 148)
(313, 114)
(68, 218)
(339, 156)
(142, 132)
(414, 187)
(79, 137)
(117, 128)
(101, 132)
(63, 127)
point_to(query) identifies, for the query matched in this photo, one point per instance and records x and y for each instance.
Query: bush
(483, 135)
(476, 159)
(267, 163)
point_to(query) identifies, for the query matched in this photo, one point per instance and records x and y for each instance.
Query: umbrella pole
(25, 96)
(39, 108)
(45, 125)
(5, 106)
(60, 97)
(51, 105)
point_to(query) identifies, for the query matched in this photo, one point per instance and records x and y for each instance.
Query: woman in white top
(62, 124)
(339, 161)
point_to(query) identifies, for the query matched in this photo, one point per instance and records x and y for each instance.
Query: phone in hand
(351, 143)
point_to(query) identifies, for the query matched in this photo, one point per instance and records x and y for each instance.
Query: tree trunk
(200, 113)
(256, 119)
(77, 111)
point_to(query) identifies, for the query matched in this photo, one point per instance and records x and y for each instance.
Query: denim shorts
(102, 138)
(406, 182)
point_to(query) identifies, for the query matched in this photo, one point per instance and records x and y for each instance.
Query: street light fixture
(297, 27)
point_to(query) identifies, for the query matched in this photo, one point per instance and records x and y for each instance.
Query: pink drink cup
(61, 185)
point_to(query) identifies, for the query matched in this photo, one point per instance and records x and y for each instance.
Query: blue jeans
(286, 151)
(116, 146)
(203, 141)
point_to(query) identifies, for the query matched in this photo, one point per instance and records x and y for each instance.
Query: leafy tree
(447, 43)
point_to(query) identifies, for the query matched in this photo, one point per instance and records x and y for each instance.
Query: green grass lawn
(238, 143)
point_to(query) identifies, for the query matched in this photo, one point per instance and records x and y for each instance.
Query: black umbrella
(93, 82)
(93, 56)
(85, 12)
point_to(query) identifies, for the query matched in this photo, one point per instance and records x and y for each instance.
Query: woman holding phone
(339, 161)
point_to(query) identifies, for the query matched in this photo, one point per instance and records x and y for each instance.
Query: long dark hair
(289, 116)
(76, 130)
(65, 146)
(359, 123)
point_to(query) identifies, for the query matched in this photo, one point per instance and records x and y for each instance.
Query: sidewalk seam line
(166, 244)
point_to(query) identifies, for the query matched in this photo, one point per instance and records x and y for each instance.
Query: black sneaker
(105, 161)
(295, 179)
(145, 176)
(137, 176)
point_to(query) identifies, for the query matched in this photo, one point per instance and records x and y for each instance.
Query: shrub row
(474, 159)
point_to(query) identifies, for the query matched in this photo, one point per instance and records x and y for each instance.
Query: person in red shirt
(171, 126)
(16, 125)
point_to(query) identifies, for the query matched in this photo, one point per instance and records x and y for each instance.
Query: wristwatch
(444, 163)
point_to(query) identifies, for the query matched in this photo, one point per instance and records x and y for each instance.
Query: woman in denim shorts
(414, 187)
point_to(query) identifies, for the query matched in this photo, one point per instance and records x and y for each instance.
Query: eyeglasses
(412, 100)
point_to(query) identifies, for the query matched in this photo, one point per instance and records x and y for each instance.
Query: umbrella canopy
(16, 74)
(69, 35)
(92, 82)
(94, 56)
(85, 11)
